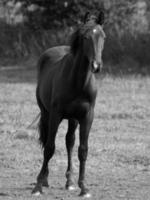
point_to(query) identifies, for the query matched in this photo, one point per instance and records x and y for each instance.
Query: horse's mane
(81, 32)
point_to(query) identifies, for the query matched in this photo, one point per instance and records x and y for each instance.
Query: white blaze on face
(98, 37)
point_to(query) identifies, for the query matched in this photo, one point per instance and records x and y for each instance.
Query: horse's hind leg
(43, 132)
(70, 139)
(43, 128)
(49, 148)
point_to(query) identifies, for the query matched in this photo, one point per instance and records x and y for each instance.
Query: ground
(118, 165)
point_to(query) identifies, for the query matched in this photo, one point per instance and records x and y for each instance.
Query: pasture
(118, 165)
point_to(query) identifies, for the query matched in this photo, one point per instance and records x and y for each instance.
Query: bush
(18, 42)
(129, 52)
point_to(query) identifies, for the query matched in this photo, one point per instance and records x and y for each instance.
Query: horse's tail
(43, 129)
(43, 123)
(34, 122)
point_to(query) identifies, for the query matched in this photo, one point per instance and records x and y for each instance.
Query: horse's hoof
(37, 194)
(85, 194)
(70, 185)
(37, 191)
(71, 188)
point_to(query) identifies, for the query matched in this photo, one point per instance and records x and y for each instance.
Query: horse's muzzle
(96, 67)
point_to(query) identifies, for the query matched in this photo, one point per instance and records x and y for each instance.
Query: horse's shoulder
(57, 52)
(51, 56)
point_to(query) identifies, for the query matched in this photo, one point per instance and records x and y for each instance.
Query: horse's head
(93, 40)
(89, 39)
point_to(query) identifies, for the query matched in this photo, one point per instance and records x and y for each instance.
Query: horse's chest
(77, 109)
(81, 105)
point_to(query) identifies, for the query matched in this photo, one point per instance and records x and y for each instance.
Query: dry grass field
(118, 165)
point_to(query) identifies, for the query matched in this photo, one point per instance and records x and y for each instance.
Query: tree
(53, 13)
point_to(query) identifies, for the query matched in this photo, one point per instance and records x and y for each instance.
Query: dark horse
(67, 89)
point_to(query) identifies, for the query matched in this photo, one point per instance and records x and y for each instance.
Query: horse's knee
(82, 152)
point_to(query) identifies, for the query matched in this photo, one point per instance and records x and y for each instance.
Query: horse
(67, 89)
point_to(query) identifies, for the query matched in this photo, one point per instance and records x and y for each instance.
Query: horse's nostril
(95, 65)
(98, 65)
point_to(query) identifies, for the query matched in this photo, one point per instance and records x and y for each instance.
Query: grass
(118, 165)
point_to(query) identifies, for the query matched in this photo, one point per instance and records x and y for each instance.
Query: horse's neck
(80, 72)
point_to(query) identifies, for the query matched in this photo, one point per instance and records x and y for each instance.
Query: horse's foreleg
(70, 140)
(49, 148)
(85, 126)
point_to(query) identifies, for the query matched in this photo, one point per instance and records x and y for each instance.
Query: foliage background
(30, 26)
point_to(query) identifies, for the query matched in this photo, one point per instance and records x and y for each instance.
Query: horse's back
(52, 56)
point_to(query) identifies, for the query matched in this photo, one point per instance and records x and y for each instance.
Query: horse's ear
(86, 17)
(101, 18)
